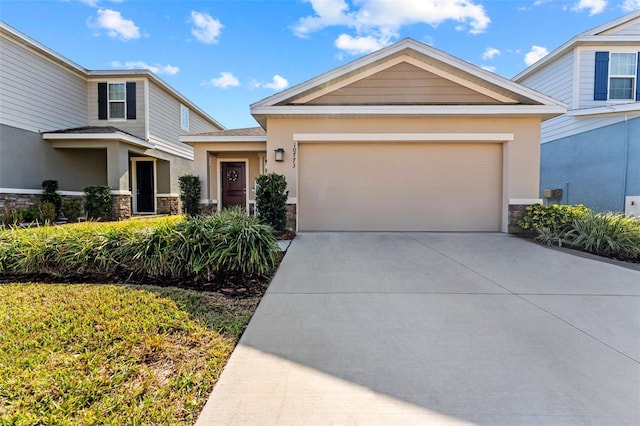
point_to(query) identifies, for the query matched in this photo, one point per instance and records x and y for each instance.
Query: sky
(224, 55)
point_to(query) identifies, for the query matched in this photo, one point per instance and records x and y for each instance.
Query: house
(407, 138)
(82, 127)
(591, 154)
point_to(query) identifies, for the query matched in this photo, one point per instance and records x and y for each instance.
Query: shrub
(608, 234)
(97, 203)
(271, 197)
(46, 212)
(71, 209)
(11, 217)
(30, 215)
(190, 194)
(50, 195)
(552, 221)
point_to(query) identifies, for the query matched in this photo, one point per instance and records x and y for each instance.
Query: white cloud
(359, 45)
(156, 69)
(278, 82)
(631, 5)
(207, 29)
(116, 26)
(225, 80)
(490, 53)
(382, 20)
(94, 3)
(535, 54)
(594, 6)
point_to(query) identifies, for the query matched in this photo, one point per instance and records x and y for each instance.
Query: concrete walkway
(433, 328)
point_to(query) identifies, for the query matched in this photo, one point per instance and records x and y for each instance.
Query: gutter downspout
(626, 161)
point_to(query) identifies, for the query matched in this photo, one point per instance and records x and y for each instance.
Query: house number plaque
(294, 155)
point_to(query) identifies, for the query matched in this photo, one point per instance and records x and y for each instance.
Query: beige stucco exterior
(519, 166)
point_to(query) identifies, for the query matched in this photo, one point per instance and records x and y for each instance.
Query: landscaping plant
(190, 194)
(97, 204)
(607, 234)
(46, 212)
(11, 217)
(71, 209)
(50, 195)
(271, 199)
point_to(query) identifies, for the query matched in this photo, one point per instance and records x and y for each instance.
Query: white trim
(524, 201)
(167, 194)
(246, 181)
(205, 138)
(40, 191)
(184, 151)
(134, 183)
(402, 137)
(292, 200)
(207, 201)
(146, 109)
(398, 110)
(120, 137)
(607, 109)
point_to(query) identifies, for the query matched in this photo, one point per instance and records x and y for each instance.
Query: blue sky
(226, 55)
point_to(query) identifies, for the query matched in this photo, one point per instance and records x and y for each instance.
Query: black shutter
(131, 100)
(102, 101)
(601, 86)
(638, 78)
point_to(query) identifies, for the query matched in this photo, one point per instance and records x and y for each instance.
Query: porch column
(118, 180)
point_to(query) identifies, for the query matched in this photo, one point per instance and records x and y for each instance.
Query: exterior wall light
(279, 155)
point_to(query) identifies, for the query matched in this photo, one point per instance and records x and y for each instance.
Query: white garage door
(399, 186)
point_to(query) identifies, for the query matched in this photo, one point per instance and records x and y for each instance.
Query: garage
(400, 186)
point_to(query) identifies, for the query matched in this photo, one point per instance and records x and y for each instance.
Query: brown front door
(234, 189)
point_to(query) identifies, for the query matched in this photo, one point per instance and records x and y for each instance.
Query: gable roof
(601, 35)
(511, 97)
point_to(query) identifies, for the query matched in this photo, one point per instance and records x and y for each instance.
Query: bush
(97, 203)
(556, 218)
(608, 234)
(158, 249)
(190, 194)
(30, 215)
(50, 195)
(71, 209)
(46, 212)
(271, 198)
(11, 217)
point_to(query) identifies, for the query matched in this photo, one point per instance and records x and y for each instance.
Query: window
(622, 76)
(117, 101)
(184, 117)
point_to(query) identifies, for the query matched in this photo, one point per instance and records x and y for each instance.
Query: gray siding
(164, 115)
(26, 160)
(135, 127)
(199, 124)
(633, 29)
(555, 80)
(38, 94)
(586, 79)
(565, 125)
(596, 168)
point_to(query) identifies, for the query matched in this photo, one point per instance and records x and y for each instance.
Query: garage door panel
(400, 187)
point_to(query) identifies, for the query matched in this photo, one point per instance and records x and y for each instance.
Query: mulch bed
(228, 283)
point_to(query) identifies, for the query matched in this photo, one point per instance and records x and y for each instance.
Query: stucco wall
(591, 167)
(26, 160)
(521, 154)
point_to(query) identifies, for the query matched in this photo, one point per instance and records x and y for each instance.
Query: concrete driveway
(436, 328)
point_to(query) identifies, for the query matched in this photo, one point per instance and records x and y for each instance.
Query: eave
(117, 137)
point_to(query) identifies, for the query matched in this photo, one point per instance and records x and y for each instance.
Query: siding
(586, 76)
(38, 94)
(135, 127)
(633, 29)
(555, 80)
(564, 126)
(590, 167)
(198, 124)
(403, 84)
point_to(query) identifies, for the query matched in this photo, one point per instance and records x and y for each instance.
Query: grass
(106, 354)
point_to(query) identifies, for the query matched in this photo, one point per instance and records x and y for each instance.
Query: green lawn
(107, 354)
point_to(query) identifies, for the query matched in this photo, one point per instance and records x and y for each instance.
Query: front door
(234, 188)
(144, 187)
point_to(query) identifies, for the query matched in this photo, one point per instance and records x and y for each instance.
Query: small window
(117, 100)
(622, 76)
(184, 118)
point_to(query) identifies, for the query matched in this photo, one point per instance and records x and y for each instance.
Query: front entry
(144, 187)
(234, 188)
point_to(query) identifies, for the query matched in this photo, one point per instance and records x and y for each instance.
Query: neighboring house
(592, 153)
(407, 138)
(119, 128)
